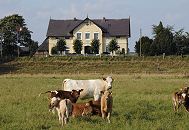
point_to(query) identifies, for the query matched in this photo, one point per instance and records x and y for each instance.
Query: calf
(106, 104)
(81, 109)
(72, 95)
(63, 107)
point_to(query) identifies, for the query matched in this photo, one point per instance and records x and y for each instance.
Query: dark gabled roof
(44, 46)
(110, 27)
(61, 27)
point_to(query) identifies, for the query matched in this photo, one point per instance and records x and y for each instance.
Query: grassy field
(140, 102)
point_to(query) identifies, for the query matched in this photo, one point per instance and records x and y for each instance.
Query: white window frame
(79, 33)
(94, 35)
(89, 35)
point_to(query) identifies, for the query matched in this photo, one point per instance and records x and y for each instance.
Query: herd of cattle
(64, 101)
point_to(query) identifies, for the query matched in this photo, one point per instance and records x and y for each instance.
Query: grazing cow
(73, 95)
(63, 107)
(91, 88)
(178, 98)
(106, 104)
(81, 109)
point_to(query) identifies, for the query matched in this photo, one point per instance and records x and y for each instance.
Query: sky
(143, 13)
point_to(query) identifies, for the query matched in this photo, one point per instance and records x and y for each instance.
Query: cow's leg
(108, 117)
(62, 119)
(103, 114)
(59, 117)
(175, 104)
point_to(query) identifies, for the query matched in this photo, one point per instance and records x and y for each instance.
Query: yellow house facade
(86, 30)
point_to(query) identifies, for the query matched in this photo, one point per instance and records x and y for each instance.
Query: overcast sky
(143, 13)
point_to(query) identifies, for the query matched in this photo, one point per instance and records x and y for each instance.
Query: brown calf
(81, 109)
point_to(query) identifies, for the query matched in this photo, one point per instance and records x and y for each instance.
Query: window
(87, 36)
(79, 36)
(95, 36)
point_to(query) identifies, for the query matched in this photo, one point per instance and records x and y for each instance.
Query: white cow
(91, 88)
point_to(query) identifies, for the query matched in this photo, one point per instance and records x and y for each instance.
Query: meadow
(141, 101)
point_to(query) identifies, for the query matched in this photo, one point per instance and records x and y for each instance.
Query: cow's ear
(102, 92)
(104, 79)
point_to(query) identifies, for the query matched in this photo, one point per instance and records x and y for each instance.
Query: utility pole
(19, 29)
(140, 42)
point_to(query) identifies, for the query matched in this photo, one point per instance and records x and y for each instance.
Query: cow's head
(76, 93)
(54, 102)
(184, 90)
(108, 81)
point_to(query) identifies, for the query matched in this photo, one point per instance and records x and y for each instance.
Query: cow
(91, 88)
(73, 95)
(178, 98)
(63, 107)
(106, 104)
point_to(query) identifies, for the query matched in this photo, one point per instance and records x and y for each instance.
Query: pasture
(140, 101)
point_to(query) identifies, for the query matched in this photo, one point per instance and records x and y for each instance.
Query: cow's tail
(44, 93)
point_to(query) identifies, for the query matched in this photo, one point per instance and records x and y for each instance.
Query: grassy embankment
(104, 65)
(140, 102)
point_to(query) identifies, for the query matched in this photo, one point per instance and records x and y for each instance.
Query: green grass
(140, 102)
(97, 65)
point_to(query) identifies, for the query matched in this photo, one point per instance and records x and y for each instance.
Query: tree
(61, 45)
(181, 40)
(113, 46)
(163, 38)
(14, 31)
(95, 44)
(54, 50)
(77, 46)
(145, 46)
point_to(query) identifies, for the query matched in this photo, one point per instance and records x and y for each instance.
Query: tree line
(165, 41)
(14, 33)
(78, 45)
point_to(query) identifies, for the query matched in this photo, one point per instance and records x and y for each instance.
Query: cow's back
(90, 87)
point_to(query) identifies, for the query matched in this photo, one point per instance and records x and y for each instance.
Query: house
(86, 30)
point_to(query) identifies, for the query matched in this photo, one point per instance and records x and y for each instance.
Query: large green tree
(181, 39)
(61, 45)
(146, 43)
(15, 32)
(95, 44)
(77, 46)
(163, 39)
(113, 46)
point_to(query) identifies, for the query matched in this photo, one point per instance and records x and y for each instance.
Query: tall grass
(140, 102)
